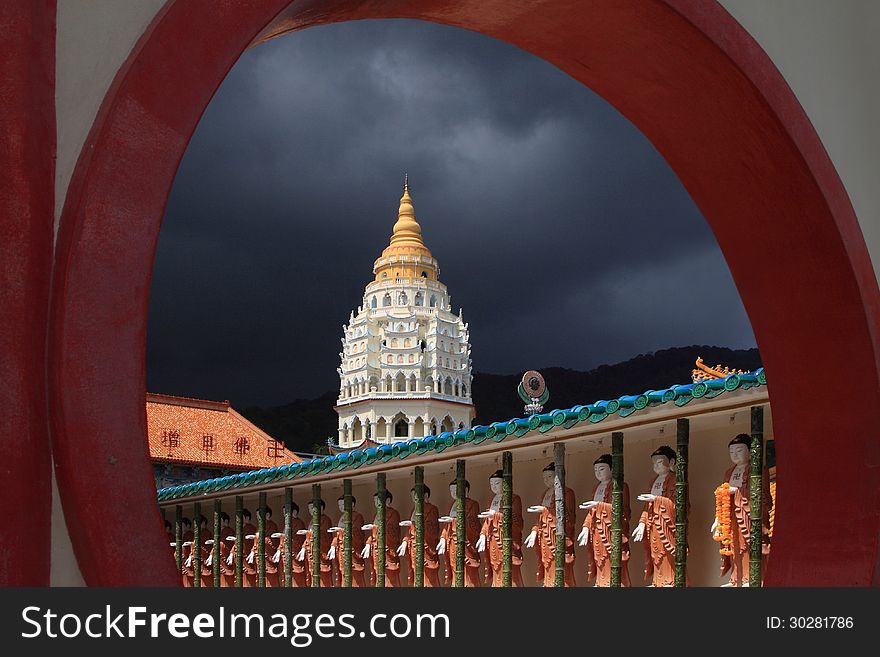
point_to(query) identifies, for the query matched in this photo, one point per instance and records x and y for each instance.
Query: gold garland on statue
(773, 508)
(723, 532)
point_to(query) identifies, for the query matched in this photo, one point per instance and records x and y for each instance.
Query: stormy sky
(559, 229)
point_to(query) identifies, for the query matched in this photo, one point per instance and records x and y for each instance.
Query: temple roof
(209, 433)
(679, 395)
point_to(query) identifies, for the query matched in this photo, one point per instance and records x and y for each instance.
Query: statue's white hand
(588, 505)
(714, 526)
(639, 532)
(441, 546)
(481, 543)
(229, 559)
(368, 527)
(302, 532)
(277, 556)
(401, 549)
(331, 553)
(365, 553)
(530, 539)
(486, 514)
(646, 497)
(535, 508)
(584, 536)
(301, 555)
(406, 523)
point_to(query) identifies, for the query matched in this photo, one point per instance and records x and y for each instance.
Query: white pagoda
(406, 360)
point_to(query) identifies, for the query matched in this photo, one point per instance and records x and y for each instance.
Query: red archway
(683, 71)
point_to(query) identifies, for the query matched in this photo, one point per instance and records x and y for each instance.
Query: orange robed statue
(431, 523)
(449, 537)
(223, 551)
(322, 544)
(271, 544)
(337, 547)
(191, 552)
(186, 545)
(298, 567)
(596, 532)
(392, 542)
(544, 532)
(249, 573)
(657, 522)
(739, 478)
(491, 535)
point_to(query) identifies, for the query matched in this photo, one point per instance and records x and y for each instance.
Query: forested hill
(305, 424)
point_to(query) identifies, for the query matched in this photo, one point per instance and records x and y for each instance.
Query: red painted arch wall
(27, 198)
(683, 71)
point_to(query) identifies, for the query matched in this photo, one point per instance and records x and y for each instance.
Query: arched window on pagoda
(419, 299)
(386, 300)
(433, 301)
(373, 302)
(402, 300)
(401, 429)
(424, 274)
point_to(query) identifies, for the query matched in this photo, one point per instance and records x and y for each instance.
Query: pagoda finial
(407, 228)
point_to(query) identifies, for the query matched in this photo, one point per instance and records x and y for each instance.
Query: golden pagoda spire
(407, 229)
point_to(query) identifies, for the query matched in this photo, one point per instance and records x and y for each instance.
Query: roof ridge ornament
(533, 390)
(705, 373)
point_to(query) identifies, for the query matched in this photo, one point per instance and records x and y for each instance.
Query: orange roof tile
(209, 433)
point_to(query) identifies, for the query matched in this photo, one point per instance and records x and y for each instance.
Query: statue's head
(548, 474)
(224, 519)
(321, 504)
(203, 522)
(663, 460)
(496, 481)
(602, 468)
(453, 488)
(739, 449)
(167, 526)
(246, 515)
(340, 502)
(294, 510)
(268, 512)
(425, 488)
(389, 498)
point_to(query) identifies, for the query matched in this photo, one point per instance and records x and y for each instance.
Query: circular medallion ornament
(533, 384)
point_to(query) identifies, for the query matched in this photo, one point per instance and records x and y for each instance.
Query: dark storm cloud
(559, 229)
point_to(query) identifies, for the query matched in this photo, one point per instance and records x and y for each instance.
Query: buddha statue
(448, 543)
(431, 524)
(321, 543)
(492, 533)
(392, 542)
(657, 523)
(543, 534)
(337, 546)
(298, 568)
(738, 480)
(596, 532)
